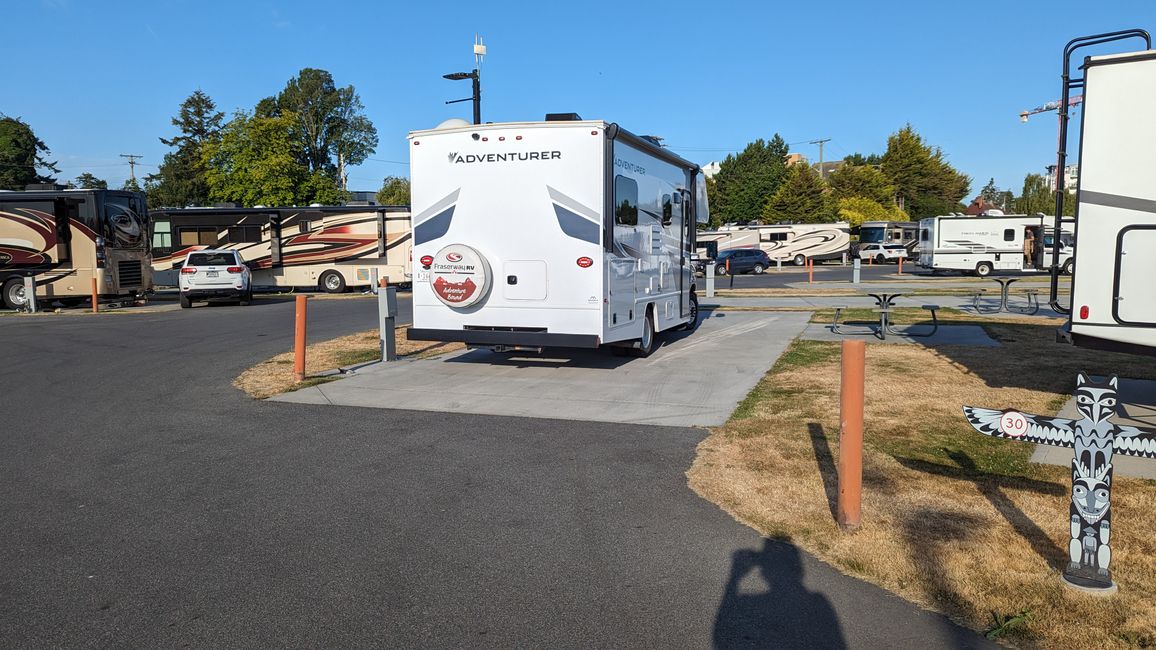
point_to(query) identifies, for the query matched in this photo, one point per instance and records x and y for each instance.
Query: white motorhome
(1112, 298)
(563, 233)
(787, 242)
(984, 244)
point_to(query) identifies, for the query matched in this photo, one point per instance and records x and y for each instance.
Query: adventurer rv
(797, 242)
(66, 238)
(1112, 305)
(567, 233)
(984, 244)
(333, 248)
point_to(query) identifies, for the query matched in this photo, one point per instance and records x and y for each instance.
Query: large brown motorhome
(331, 247)
(65, 238)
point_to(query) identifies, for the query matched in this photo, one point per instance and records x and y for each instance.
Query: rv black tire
(185, 302)
(332, 282)
(646, 343)
(1067, 270)
(758, 269)
(13, 293)
(983, 269)
(800, 259)
(693, 322)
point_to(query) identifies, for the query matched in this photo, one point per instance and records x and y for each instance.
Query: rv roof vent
(563, 117)
(452, 123)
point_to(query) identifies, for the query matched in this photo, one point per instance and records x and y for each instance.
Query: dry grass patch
(952, 520)
(275, 376)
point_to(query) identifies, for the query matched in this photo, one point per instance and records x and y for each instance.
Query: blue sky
(97, 79)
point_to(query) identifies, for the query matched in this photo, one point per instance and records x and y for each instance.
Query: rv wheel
(646, 343)
(14, 295)
(1067, 270)
(800, 259)
(983, 269)
(332, 282)
(693, 322)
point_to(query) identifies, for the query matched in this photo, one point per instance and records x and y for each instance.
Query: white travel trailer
(984, 244)
(1113, 306)
(787, 242)
(563, 233)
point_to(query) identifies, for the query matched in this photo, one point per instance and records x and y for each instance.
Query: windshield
(212, 259)
(124, 221)
(872, 235)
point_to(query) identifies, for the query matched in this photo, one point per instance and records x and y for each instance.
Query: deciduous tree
(256, 161)
(394, 191)
(857, 209)
(22, 154)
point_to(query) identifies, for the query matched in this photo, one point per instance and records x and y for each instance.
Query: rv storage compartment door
(524, 280)
(1135, 268)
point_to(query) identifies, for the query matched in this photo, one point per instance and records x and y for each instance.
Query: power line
(131, 164)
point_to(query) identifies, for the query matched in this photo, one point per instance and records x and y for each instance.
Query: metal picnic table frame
(885, 302)
(1033, 302)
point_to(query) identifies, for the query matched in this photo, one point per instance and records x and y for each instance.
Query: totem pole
(1095, 440)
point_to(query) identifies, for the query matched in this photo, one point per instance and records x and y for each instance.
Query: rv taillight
(234, 269)
(1084, 312)
(517, 137)
(189, 269)
(593, 133)
(585, 262)
(426, 260)
(502, 139)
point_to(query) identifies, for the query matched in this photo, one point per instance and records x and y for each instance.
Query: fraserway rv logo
(512, 156)
(459, 276)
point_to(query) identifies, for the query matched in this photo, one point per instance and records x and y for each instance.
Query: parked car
(742, 260)
(882, 252)
(213, 274)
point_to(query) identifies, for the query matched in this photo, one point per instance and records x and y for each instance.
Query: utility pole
(820, 143)
(131, 164)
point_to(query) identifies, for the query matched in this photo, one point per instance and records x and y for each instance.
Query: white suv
(211, 274)
(882, 252)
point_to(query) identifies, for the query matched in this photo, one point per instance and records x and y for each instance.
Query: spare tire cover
(459, 276)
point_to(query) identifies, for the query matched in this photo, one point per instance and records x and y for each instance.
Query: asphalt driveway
(144, 502)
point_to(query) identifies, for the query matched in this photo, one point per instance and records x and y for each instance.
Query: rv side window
(1009, 234)
(923, 235)
(244, 234)
(162, 236)
(772, 236)
(667, 209)
(625, 201)
(191, 236)
(304, 226)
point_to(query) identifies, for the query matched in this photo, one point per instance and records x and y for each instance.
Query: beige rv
(331, 247)
(65, 238)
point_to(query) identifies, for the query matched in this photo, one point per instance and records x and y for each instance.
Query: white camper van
(787, 242)
(984, 244)
(1113, 305)
(568, 232)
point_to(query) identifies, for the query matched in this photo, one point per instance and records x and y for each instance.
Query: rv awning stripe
(1118, 201)
(437, 208)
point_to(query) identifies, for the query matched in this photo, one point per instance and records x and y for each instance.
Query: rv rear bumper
(498, 337)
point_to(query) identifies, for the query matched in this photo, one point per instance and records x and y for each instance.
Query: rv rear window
(625, 201)
(923, 235)
(244, 234)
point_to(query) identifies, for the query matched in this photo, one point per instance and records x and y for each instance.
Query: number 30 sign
(1013, 424)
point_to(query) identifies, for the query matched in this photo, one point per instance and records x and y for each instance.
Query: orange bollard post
(810, 270)
(900, 265)
(95, 298)
(299, 341)
(851, 435)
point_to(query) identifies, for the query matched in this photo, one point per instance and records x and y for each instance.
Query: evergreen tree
(87, 181)
(181, 179)
(861, 181)
(859, 160)
(925, 183)
(131, 185)
(394, 191)
(21, 155)
(802, 198)
(745, 182)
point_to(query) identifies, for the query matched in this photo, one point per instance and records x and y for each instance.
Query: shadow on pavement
(766, 605)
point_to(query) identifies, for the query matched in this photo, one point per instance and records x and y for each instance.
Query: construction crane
(1051, 106)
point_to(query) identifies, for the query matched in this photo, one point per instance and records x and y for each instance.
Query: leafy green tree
(862, 181)
(1036, 197)
(181, 178)
(925, 183)
(857, 209)
(21, 155)
(745, 182)
(334, 131)
(256, 161)
(993, 195)
(394, 191)
(131, 185)
(859, 160)
(802, 198)
(87, 181)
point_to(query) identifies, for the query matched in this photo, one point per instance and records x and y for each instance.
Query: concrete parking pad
(945, 335)
(692, 380)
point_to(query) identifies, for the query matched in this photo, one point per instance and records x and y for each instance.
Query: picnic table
(1030, 307)
(884, 304)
